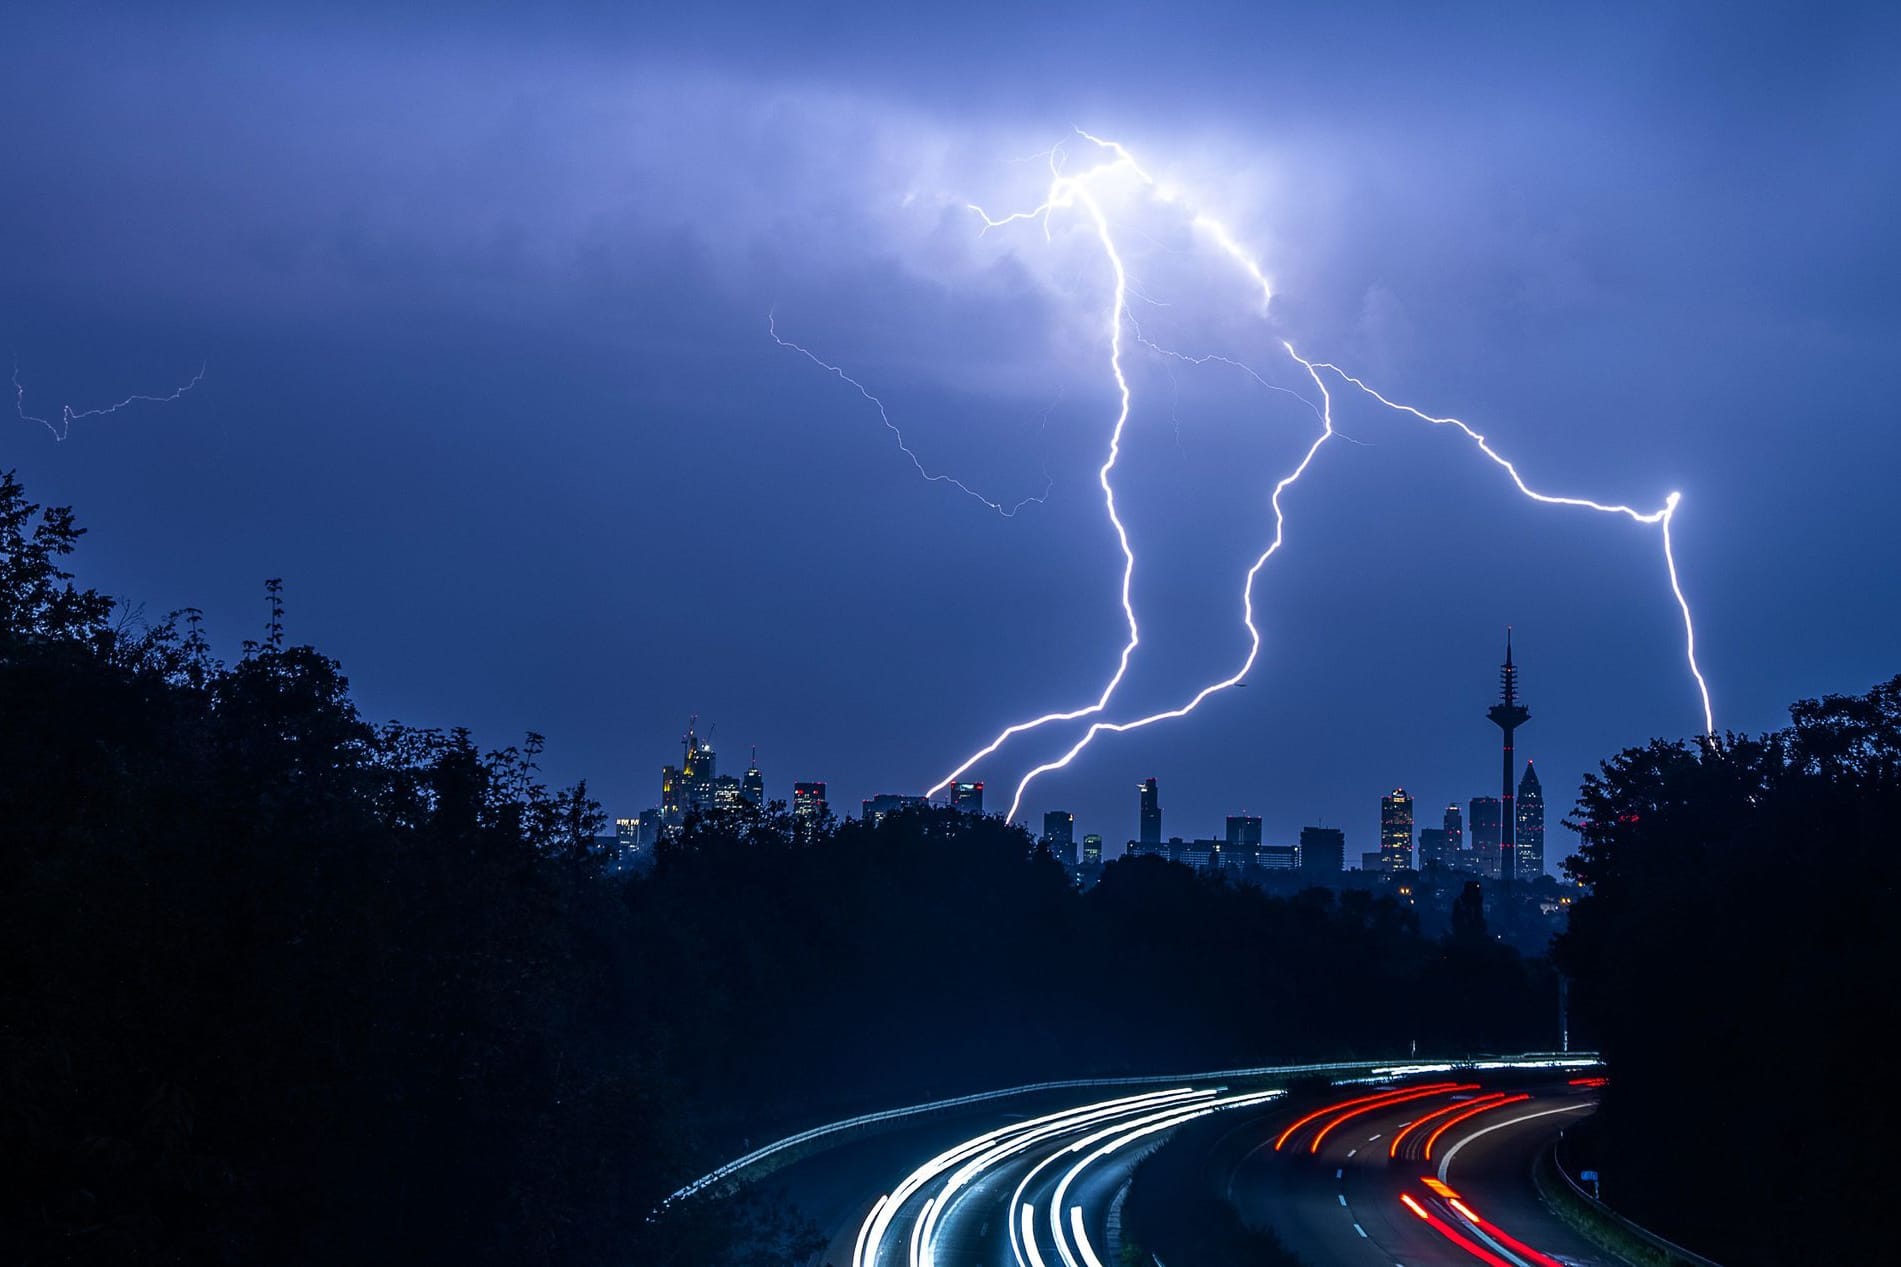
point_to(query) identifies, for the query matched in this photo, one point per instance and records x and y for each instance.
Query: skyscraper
(968, 797)
(1432, 849)
(688, 786)
(752, 788)
(727, 793)
(672, 793)
(1243, 844)
(1151, 835)
(1323, 854)
(1396, 831)
(1092, 850)
(808, 808)
(1484, 817)
(652, 823)
(1059, 835)
(1508, 715)
(1455, 834)
(1531, 826)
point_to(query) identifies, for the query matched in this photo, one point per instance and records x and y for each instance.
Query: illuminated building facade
(1455, 834)
(808, 805)
(1530, 811)
(967, 797)
(752, 788)
(1396, 831)
(688, 786)
(1278, 857)
(1092, 850)
(728, 793)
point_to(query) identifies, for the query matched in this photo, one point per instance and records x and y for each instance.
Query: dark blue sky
(483, 301)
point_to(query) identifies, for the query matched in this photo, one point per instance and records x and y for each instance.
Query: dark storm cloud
(494, 285)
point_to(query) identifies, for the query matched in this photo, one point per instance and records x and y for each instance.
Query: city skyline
(1506, 833)
(1059, 826)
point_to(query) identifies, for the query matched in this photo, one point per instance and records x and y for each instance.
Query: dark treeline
(1738, 962)
(936, 953)
(284, 986)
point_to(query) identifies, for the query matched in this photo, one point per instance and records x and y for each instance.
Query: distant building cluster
(1498, 838)
(695, 786)
(1239, 850)
(1495, 838)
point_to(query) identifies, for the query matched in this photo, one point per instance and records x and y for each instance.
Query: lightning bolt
(1008, 512)
(1247, 610)
(68, 415)
(1661, 516)
(1066, 192)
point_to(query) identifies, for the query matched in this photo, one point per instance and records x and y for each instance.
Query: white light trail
(878, 1221)
(772, 328)
(1023, 1140)
(1081, 1234)
(68, 415)
(1121, 1137)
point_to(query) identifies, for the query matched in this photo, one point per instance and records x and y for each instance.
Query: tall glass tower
(1396, 831)
(1531, 826)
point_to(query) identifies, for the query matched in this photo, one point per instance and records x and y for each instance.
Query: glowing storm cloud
(1074, 192)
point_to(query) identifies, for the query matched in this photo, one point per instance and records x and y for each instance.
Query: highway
(1034, 1179)
(1428, 1176)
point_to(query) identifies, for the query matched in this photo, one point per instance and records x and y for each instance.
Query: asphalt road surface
(1036, 1181)
(1421, 1179)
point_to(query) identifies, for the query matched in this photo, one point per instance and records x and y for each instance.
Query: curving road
(1433, 1176)
(1034, 1179)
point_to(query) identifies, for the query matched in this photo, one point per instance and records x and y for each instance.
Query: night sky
(483, 302)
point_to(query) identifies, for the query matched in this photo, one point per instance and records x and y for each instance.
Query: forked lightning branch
(1076, 194)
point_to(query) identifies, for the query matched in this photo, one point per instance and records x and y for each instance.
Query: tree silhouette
(1740, 927)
